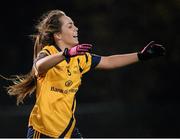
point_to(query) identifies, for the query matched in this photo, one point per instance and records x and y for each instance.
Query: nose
(76, 28)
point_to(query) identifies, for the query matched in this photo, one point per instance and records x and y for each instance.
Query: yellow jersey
(53, 112)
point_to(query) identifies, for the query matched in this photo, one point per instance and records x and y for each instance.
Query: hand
(79, 49)
(152, 50)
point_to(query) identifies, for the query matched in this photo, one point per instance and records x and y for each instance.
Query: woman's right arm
(44, 63)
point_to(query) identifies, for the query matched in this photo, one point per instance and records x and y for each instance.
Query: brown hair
(49, 24)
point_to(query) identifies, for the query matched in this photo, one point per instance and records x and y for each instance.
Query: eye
(70, 26)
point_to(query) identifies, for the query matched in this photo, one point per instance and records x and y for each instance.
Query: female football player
(59, 64)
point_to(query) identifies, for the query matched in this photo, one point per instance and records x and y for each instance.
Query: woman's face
(69, 32)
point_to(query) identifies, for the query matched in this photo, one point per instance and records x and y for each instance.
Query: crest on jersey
(68, 83)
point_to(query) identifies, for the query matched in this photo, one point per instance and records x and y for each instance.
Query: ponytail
(24, 85)
(37, 45)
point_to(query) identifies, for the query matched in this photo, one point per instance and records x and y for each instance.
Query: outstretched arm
(151, 50)
(117, 61)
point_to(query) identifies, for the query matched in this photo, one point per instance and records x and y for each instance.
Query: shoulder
(85, 57)
(50, 49)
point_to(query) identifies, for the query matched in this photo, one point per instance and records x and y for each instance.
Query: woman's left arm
(117, 61)
(152, 50)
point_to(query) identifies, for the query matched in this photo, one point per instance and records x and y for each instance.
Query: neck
(62, 46)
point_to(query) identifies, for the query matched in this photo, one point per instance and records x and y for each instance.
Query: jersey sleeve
(95, 60)
(43, 53)
(88, 62)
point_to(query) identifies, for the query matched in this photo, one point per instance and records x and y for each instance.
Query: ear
(57, 36)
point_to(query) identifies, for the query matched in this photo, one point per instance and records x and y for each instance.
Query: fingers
(160, 49)
(151, 43)
(84, 45)
(88, 45)
(157, 50)
(147, 46)
(84, 48)
(81, 53)
(158, 45)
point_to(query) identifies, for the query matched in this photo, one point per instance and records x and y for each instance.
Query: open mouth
(76, 37)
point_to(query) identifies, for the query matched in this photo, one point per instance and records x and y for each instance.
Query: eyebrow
(70, 23)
